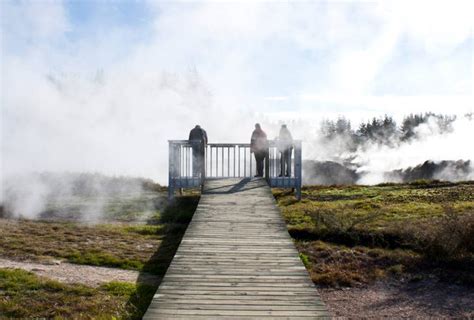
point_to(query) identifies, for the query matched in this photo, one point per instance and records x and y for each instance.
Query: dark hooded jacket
(258, 141)
(198, 134)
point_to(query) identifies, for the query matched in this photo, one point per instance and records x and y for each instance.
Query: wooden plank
(231, 306)
(282, 298)
(235, 302)
(237, 261)
(223, 313)
(204, 317)
(281, 286)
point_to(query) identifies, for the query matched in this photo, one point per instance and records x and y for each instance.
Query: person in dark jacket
(285, 146)
(198, 139)
(259, 146)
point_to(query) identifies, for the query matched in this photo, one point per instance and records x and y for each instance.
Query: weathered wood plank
(224, 313)
(237, 261)
(241, 297)
(231, 306)
(284, 286)
(235, 302)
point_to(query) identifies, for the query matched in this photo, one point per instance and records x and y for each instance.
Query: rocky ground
(73, 273)
(423, 299)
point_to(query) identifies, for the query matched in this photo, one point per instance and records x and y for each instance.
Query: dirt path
(413, 300)
(73, 273)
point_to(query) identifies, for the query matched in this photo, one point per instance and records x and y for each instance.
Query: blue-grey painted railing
(231, 160)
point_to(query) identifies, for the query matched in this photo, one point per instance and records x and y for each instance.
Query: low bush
(445, 239)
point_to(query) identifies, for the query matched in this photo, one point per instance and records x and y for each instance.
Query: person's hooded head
(257, 126)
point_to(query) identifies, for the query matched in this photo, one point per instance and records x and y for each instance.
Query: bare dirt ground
(421, 299)
(74, 273)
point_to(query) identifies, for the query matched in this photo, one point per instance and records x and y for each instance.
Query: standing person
(285, 146)
(259, 146)
(198, 139)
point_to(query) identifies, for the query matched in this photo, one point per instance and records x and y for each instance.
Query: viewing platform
(231, 160)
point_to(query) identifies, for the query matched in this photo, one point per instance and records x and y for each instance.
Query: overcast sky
(76, 70)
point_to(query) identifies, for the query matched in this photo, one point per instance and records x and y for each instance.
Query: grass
(144, 247)
(352, 235)
(346, 236)
(125, 246)
(112, 246)
(338, 265)
(25, 295)
(138, 296)
(371, 209)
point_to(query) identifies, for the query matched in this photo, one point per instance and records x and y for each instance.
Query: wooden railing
(230, 160)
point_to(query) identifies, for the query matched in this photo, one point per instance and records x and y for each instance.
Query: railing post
(298, 168)
(267, 164)
(203, 165)
(171, 170)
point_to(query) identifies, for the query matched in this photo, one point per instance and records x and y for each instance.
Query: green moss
(147, 230)
(118, 288)
(304, 258)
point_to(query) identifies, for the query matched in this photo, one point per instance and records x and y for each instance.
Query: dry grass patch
(93, 245)
(373, 232)
(339, 266)
(129, 246)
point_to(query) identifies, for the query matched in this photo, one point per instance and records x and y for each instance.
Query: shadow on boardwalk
(175, 220)
(242, 185)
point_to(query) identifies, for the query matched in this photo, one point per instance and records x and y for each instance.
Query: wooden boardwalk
(236, 261)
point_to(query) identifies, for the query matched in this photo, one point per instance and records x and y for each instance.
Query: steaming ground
(335, 173)
(367, 263)
(88, 198)
(426, 146)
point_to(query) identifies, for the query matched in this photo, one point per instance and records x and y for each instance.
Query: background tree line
(383, 130)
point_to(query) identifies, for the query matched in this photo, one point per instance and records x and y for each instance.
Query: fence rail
(230, 160)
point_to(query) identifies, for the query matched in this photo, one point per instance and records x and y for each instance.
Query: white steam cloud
(104, 92)
(429, 143)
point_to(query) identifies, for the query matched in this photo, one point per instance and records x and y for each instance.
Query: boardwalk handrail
(231, 160)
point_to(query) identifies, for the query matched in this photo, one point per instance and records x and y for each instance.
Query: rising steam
(106, 96)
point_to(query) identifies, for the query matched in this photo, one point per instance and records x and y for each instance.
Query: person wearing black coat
(198, 139)
(259, 147)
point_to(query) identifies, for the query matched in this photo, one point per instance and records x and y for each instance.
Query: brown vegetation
(354, 235)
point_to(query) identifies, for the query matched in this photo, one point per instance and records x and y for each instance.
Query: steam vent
(236, 259)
